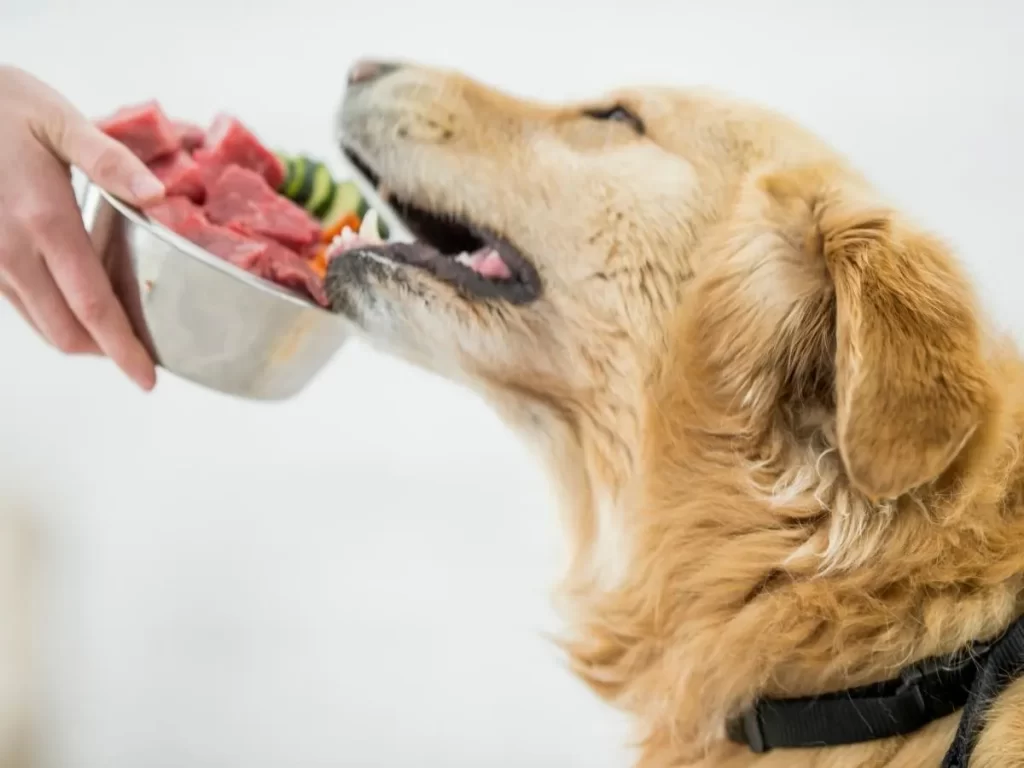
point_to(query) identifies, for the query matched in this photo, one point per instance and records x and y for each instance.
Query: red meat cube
(258, 255)
(175, 212)
(228, 142)
(287, 268)
(229, 245)
(144, 129)
(182, 216)
(180, 175)
(209, 168)
(242, 200)
(190, 135)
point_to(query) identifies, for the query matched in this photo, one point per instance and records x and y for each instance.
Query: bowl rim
(188, 248)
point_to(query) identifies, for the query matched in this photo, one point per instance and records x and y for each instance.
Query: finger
(12, 298)
(88, 347)
(82, 280)
(108, 162)
(35, 295)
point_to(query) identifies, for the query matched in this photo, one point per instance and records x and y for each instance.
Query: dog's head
(579, 223)
(572, 256)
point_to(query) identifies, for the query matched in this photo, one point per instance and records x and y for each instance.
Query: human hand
(48, 269)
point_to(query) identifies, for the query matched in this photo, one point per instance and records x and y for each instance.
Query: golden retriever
(787, 443)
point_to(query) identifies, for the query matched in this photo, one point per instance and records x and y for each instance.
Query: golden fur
(788, 445)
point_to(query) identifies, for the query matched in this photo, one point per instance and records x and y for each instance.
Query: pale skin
(48, 270)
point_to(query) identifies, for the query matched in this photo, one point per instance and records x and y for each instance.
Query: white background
(358, 577)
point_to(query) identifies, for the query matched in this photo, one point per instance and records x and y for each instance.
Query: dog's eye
(619, 114)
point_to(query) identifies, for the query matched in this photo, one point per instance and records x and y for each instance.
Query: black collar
(971, 679)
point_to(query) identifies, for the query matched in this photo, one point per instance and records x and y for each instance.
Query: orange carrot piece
(318, 261)
(349, 220)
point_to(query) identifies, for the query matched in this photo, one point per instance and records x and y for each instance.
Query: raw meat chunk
(231, 246)
(291, 270)
(245, 221)
(242, 200)
(209, 168)
(144, 129)
(190, 135)
(176, 211)
(180, 175)
(261, 256)
(181, 215)
(228, 142)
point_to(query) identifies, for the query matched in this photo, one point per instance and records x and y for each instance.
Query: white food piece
(369, 230)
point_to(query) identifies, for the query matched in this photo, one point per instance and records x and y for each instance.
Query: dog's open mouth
(477, 263)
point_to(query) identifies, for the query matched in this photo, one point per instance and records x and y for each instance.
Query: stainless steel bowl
(202, 318)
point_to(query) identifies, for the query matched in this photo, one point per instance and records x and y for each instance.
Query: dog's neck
(703, 579)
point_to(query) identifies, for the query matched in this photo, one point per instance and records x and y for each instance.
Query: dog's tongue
(486, 263)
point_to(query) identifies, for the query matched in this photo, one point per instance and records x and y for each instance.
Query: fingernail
(146, 187)
(146, 383)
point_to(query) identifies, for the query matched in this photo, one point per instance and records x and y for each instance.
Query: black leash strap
(970, 679)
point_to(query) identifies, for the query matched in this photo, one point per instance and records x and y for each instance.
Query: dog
(786, 439)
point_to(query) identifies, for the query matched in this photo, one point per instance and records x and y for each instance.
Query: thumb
(106, 161)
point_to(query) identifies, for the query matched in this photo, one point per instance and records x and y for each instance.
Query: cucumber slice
(296, 178)
(347, 199)
(305, 190)
(289, 170)
(324, 189)
(353, 198)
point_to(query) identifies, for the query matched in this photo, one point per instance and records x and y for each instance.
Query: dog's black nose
(368, 70)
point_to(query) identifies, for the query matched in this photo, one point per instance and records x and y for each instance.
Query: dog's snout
(367, 70)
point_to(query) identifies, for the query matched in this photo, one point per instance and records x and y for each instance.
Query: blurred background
(359, 577)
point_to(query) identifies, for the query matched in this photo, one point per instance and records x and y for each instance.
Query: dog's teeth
(369, 230)
(465, 259)
(347, 235)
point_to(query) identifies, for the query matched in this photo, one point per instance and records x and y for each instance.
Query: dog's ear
(818, 294)
(910, 380)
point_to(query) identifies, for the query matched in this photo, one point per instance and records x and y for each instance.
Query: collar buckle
(746, 729)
